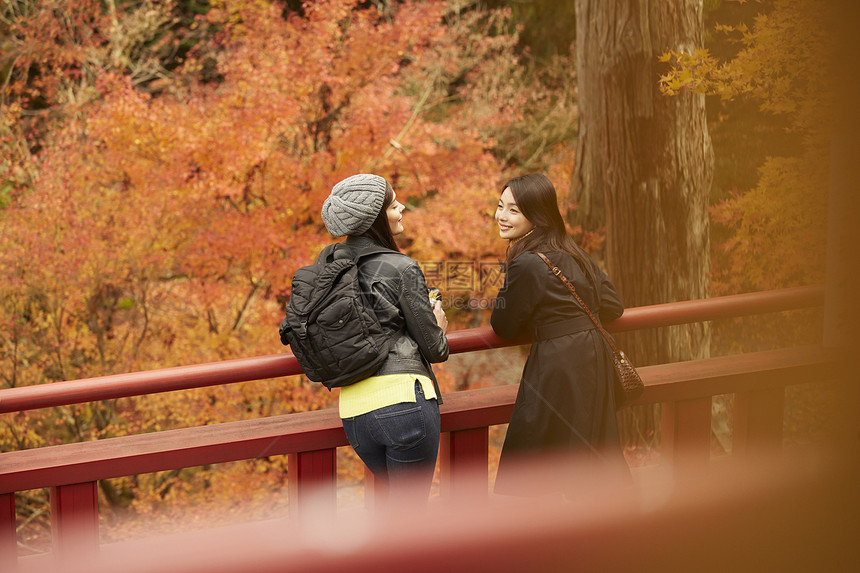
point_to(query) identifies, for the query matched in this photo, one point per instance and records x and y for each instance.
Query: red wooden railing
(685, 390)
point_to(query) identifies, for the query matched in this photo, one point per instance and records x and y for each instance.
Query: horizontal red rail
(276, 365)
(717, 308)
(147, 382)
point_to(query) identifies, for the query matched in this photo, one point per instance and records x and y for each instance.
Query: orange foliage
(777, 228)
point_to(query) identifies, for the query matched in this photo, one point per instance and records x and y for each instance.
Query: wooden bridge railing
(71, 471)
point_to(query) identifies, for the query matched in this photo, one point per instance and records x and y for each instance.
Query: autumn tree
(782, 66)
(771, 228)
(161, 226)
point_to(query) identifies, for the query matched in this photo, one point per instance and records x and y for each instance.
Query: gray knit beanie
(354, 204)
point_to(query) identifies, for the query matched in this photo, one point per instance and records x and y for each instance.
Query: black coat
(566, 398)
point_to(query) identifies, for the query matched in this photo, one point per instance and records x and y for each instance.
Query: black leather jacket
(399, 295)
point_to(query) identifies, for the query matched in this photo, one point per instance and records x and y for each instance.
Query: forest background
(164, 162)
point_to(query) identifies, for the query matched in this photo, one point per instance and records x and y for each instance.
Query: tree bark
(644, 163)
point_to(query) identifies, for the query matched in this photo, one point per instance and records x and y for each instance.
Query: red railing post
(8, 533)
(75, 520)
(313, 481)
(463, 455)
(686, 433)
(758, 420)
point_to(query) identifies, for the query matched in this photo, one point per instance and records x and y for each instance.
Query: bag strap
(341, 251)
(359, 251)
(557, 272)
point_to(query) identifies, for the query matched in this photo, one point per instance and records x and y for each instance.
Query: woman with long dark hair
(566, 399)
(391, 418)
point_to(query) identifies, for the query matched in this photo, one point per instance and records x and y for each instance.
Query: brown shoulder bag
(626, 377)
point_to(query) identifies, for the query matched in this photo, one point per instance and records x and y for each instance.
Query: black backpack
(332, 330)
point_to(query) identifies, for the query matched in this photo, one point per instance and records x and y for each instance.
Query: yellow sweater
(380, 391)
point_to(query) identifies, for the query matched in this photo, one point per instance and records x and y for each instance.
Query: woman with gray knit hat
(391, 418)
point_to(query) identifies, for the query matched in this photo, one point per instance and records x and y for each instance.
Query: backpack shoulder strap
(330, 253)
(358, 251)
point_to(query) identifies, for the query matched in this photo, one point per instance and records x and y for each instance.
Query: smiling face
(395, 216)
(512, 223)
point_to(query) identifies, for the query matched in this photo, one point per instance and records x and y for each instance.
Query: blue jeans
(399, 444)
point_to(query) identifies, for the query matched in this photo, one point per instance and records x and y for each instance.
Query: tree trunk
(644, 162)
(643, 169)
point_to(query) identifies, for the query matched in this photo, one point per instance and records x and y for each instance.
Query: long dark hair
(380, 231)
(535, 195)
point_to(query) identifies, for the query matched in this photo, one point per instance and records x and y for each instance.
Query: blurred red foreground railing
(310, 439)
